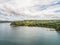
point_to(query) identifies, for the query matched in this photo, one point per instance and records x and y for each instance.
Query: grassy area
(39, 23)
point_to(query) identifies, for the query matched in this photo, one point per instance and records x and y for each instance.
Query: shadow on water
(9, 43)
(14, 43)
(58, 33)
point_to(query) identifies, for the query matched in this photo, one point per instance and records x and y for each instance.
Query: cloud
(29, 9)
(44, 2)
(57, 11)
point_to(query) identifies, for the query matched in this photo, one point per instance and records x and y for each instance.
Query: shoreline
(52, 24)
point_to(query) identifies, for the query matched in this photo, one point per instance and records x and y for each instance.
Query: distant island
(39, 23)
(6, 21)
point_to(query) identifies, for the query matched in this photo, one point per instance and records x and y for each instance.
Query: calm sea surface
(27, 35)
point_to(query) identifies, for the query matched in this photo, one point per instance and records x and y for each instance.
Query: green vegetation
(40, 23)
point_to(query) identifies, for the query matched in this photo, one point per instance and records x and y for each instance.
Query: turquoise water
(27, 35)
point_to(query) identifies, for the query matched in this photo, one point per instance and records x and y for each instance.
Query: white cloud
(44, 2)
(29, 9)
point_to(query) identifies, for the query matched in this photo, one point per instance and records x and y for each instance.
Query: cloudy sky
(29, 9)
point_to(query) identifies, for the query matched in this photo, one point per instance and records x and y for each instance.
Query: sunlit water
(27, 35)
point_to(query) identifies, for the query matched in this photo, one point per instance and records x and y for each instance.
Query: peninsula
(39, 23)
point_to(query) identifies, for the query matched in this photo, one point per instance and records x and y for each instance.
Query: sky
(29, 9)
